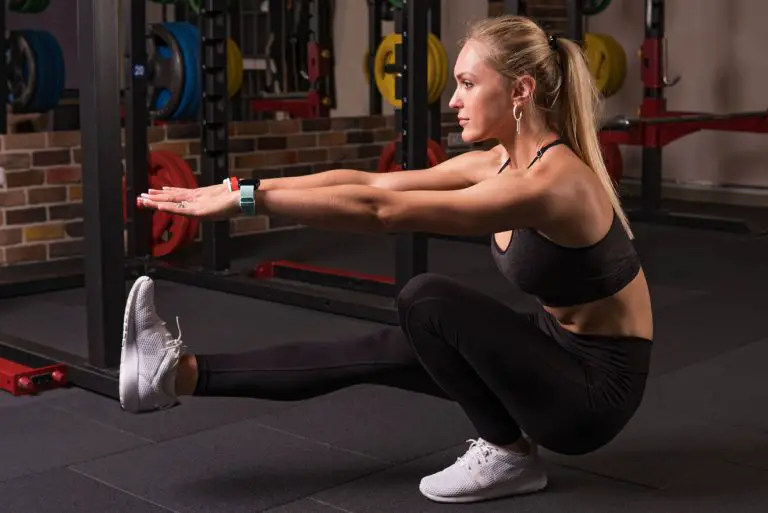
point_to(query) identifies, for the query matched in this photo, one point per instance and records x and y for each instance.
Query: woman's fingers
(172, 207)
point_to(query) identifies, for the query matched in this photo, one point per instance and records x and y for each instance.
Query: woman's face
(483, 100)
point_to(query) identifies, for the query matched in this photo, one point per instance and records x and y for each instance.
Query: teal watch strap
(247, 203)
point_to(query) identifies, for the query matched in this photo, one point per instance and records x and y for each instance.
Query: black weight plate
(21, 69)
(166, 72)
(16, 5)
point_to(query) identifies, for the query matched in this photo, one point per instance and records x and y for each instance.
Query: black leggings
(508, 371)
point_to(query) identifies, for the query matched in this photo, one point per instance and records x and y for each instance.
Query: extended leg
(155, 369)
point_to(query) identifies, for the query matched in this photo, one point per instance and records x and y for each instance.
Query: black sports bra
(562, 275)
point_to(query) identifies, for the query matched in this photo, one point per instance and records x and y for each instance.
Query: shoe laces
(477, 454)
(172, 343)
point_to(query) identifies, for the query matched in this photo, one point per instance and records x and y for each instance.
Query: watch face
(255, 182)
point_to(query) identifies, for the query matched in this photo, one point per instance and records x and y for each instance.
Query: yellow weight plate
(385, 55)
(619, 57)
(432, 70)
(446, 69)
(441, 67)
(234, 68)
(437, 69)
(607, 62)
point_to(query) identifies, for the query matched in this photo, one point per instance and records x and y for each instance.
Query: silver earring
(517, 116)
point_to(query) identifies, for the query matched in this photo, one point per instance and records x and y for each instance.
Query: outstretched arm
(494, 205)
(458, 172)
(497, 204)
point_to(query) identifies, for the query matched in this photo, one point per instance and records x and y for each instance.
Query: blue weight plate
(182, 111)
(41, 71)
(57, 69)
(194, 39)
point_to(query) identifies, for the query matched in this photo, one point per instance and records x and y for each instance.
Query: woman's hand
(181, 194)
(214, 203)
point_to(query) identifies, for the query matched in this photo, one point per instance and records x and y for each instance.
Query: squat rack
(657, 127)
(107, 267)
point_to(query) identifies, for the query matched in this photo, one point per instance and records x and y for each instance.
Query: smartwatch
(247, 190)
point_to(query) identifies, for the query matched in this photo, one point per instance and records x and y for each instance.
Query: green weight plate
(593, 7)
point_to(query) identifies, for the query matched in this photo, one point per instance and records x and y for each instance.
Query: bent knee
(425, 286)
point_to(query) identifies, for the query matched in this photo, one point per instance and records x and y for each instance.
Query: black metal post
(435, 109)
(650, 178)
(139, 224)
(514, 7)
(277, 46)
(3, 70)
(214, 157)
(374, 39)
(575, 28)
(321, 25)
(102, 189)
(411, 250)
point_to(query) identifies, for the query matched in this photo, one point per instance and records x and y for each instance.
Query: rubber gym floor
(698, 443)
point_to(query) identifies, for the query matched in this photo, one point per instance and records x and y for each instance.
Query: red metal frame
(316, 104)
(268, 270)
(657, 127)
(21, 380)
(311, 107)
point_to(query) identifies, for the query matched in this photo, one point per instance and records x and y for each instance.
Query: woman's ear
(523, 90)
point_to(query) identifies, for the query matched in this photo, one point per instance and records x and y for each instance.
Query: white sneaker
(150, 354)
(486, 472)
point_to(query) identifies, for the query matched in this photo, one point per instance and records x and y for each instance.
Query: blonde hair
(565, 90)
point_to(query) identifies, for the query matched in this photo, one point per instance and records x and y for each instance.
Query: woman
(570, 375)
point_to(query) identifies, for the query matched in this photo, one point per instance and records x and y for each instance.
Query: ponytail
(579, 105)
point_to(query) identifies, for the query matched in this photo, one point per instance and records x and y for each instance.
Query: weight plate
(614, 161)
(57, 70)
(385, 56)
(42, 71)
(607, 62)
(441, 67)
(437, 69)
(619, 61)
(593, 7)
(16, 5)
(433, 68)
(187, 91)
(234, 68)
(22, 72)
(166, 72)
(188, 36)
(186, 178)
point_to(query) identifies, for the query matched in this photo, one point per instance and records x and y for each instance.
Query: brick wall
(41, 195)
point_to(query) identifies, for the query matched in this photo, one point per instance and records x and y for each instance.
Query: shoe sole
(129, 358)
(532, 485)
